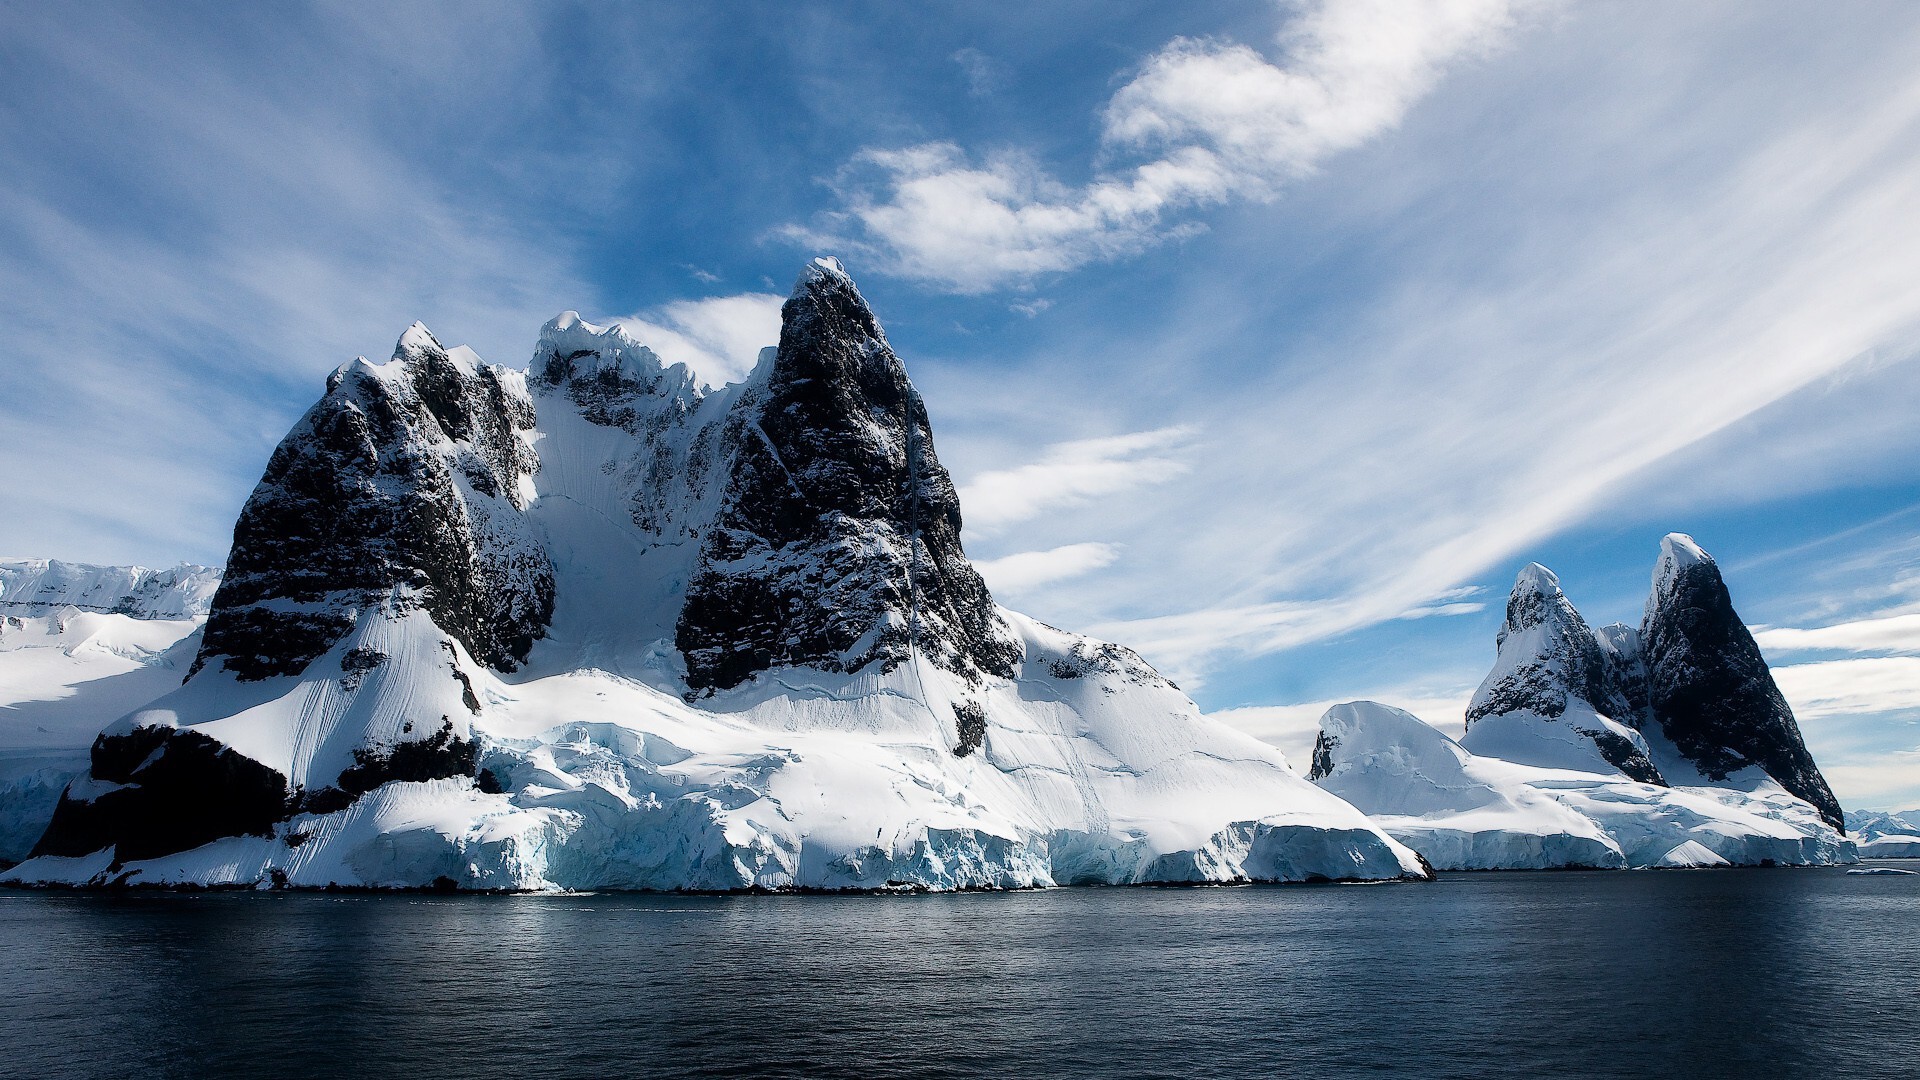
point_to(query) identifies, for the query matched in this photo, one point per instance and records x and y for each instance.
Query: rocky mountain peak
(407, 476)
(1552, 669)
(1548, 655)
(1708, 686)
(837, 543)
(1536, 598)
(613, 378)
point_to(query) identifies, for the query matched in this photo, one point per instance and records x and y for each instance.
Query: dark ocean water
(1739, 973)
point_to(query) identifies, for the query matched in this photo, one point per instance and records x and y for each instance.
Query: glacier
(1883, 835)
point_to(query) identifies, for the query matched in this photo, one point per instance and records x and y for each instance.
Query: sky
(1271, 339)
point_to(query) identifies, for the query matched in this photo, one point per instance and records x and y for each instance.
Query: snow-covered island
(1665, 745)
(591, 625)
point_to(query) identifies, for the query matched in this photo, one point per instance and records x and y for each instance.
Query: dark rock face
(970, 719)
(1549, 657)
(1709, 688)
(173, 790)
(436, 757)
(838, 537)
(403, 479)
(1323, 750)
(178, 790)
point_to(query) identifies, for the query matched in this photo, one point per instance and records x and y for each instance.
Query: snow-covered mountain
(1551, 698)
(1466, 811)
(35, 587)
(1709, 693)
(1886, 835)
(590, 625)
(80, 645)
(1667, 736)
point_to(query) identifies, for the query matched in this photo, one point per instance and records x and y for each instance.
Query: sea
(1712, 973)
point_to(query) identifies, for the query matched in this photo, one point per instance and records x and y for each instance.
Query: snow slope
(1465, 811)
(1093, 770)
(63, 676)
(741, 649)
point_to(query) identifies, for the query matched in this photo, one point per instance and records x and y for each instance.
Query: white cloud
(1027, 569)
(1215, 120)
(155, 348)
(1838, 688)
(1072, 473)
(1896, 633)
(1447, 603)
(1886, 782)
(718, 338)
(1478, 406)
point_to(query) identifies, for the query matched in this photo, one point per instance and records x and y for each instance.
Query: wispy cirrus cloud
(1024, 570)
(1851, 687)
(1893, 633)
(1073, 473)
(1188, 645)
(1476, 408)
(1202, 122)
(190, 248)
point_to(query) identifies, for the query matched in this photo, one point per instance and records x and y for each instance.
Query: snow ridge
(37, 587)
(1551, 699)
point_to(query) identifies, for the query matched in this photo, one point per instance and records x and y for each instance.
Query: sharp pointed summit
(838, 540)
(1549, 699)
(1709, 688)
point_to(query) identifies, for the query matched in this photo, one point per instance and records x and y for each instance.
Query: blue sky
(1269, 338)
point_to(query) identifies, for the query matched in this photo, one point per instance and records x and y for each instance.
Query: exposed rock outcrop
(1709, 688)
(838, 541)
(1550, 696)
(407, 478)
